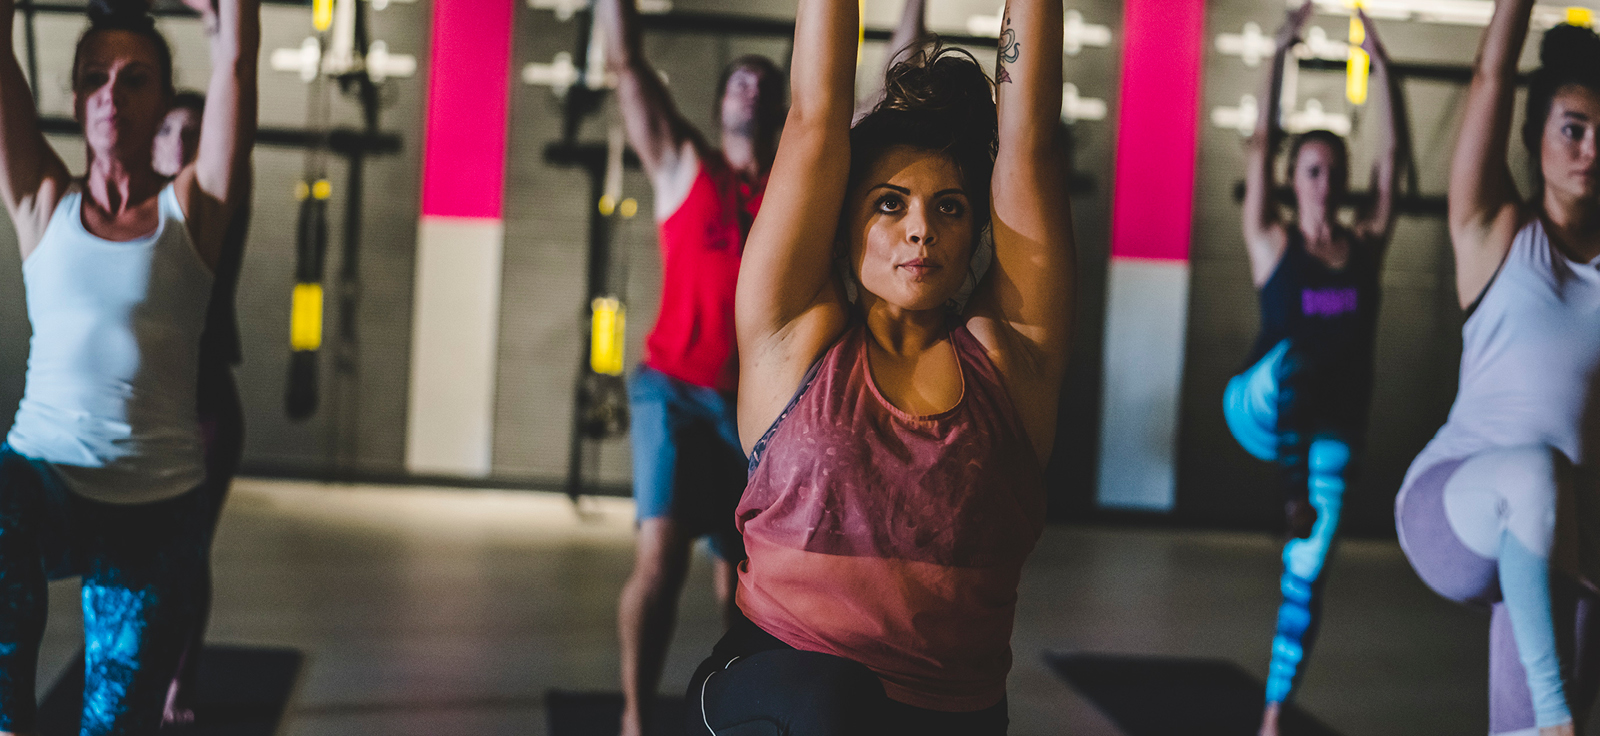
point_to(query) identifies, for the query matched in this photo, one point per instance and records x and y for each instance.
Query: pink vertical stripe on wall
(469, 88)
(1157, 129)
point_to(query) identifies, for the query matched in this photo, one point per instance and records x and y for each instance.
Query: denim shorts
(687, 462)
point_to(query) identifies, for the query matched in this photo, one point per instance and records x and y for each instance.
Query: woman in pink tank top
(896, 442)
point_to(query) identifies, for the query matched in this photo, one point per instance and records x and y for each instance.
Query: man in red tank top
(688, 468)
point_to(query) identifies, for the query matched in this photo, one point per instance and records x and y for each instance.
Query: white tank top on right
(1529, 359)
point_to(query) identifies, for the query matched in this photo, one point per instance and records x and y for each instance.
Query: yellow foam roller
(305, 317)
(607, 335)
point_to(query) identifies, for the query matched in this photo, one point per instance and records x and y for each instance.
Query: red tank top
(693, 339)
(895, 540)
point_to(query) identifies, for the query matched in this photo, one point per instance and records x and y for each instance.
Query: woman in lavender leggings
(1499, 509)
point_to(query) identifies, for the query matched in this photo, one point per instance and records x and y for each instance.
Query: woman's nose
(917, 230)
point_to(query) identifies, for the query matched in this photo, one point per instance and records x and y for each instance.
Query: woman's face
(910, 228)
(118, 95)
(1318, 177)
(176, 141)
(1567, 155)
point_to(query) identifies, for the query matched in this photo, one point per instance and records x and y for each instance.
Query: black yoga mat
(599, 714)
(1160, 696)
(240, 691)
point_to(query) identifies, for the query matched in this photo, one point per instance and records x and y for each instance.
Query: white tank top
(1529, 359)
(112, 366)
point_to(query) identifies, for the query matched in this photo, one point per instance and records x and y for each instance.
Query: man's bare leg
(647, 613)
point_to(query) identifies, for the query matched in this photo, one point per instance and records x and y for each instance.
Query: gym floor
(451, 612)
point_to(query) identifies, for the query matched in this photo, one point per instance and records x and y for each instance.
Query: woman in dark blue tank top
(1301, 402)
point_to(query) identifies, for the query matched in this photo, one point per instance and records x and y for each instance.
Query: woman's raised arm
(210, 188)
(912, 30)
(1023, 312)
(1376, 223)
(1264, 238)
(1485, 210)
(32, 177)
(788, 308)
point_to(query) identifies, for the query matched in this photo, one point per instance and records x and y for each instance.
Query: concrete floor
(451, 612)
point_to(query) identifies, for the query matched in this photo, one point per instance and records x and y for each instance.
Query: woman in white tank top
(1500, 509)
(101, 471)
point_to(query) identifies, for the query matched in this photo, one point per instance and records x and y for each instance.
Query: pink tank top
(894, 540)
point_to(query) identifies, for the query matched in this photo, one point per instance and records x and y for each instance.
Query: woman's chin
(920, 302)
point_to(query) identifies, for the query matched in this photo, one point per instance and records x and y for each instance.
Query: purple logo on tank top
(1328, 302)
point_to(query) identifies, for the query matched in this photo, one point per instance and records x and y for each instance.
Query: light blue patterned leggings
(140, 602)
(1252, 405)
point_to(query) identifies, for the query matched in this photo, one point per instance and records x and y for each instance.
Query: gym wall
(359, 431)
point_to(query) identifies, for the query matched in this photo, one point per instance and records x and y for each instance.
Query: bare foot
(1269, 720)
(1565, 729)
(174, 714)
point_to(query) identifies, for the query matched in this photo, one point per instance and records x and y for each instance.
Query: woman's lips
(920, 268)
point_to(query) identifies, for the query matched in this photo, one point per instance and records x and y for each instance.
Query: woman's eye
(888, 204)
(1572, 132)
(952, 207)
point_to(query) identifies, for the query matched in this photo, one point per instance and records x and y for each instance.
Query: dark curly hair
(1568, 55)
(130, 16)
(939, 99)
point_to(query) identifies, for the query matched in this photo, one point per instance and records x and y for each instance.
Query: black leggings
(755, 685)
(138, 562)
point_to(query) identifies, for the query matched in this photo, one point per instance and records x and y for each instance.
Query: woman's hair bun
(944, 81)
(1570, 47)
(129, 14)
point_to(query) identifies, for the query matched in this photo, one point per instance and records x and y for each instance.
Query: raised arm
(664, 141)
(1376, 223)
(32, 177)
(1485, 209)
(1023, 311)
(212, 187)
(1264, 238)
(912, 29)
(788, 308)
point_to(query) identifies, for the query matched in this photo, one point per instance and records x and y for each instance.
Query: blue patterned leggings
(138, 562)
(1275, 424)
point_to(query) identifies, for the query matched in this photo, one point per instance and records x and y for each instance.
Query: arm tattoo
(1010, 51)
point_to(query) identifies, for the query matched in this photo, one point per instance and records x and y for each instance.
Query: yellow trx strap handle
(607, 335)
(322, 15)
(305, 317)
(1356, 70)
(305, 304)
